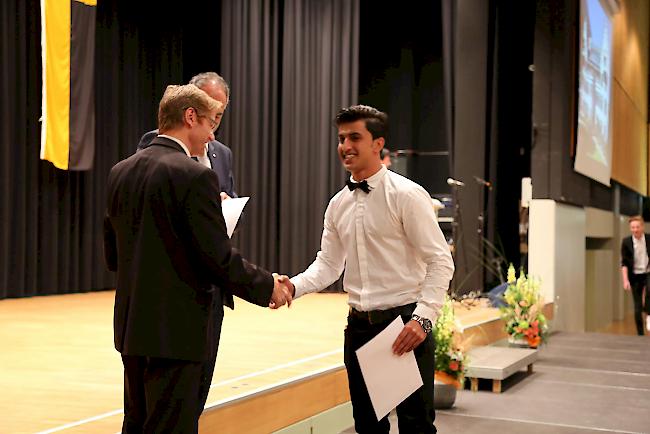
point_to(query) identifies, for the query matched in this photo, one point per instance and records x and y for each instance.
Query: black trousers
(161, 395)
(167, 395)
(638, 282)
(415, 415)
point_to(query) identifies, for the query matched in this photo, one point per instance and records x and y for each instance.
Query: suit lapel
(212, 155)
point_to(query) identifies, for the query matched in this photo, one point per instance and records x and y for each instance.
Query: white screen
(594, 150)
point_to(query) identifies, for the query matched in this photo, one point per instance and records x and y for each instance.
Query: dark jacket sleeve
(228, 269)
(627, 254)
(110, 246)
(231, 176)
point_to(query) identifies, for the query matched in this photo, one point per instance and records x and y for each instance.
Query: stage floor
(59, 371)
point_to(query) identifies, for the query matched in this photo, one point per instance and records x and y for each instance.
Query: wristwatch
(424, 322)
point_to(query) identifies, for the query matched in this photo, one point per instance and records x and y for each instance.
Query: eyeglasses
(213, 124)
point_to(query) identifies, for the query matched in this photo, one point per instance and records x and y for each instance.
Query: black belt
(382, 316)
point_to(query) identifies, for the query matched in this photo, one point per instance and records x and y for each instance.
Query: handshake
(283, 291)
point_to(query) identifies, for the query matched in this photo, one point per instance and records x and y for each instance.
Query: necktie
(363, 185)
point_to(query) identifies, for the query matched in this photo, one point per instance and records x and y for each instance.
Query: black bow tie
(363, 185)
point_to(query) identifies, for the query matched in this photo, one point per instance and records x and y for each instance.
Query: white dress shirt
(390, 245)
(204, 159)
(640, 255)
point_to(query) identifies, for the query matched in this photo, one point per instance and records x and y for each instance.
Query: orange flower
(534, 342)
(453, 365)
(447, 379)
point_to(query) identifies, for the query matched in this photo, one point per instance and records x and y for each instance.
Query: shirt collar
(374, 180)
(177, 141)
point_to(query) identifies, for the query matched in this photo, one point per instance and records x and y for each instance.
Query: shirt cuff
(297, 283)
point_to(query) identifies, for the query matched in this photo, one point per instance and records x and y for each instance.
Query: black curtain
(251, 65)
(401, 73)
(510, 142)
(319, 76)
(291, 66)
(50, 220)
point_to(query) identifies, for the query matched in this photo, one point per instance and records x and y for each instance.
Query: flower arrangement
(449, 353)
(523, 311)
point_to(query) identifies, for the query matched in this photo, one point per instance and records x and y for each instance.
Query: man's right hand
(626, 285)
(285, 280)
(281, 293)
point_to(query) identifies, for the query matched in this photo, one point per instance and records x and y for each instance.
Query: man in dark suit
(215, 155)
(635, 251)
(165, 236)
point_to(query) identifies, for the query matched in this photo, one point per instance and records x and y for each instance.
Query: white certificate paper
(232, 209)
(390, 379)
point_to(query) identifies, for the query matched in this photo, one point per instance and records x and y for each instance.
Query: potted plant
(450, 357)
(524, 321)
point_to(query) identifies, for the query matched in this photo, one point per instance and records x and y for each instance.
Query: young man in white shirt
(634, 270)
(381, 228)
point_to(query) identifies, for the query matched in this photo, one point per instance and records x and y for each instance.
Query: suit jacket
(165, 236)
(627, 252)
(220, 157)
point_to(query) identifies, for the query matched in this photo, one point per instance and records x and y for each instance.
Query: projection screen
(594, 144)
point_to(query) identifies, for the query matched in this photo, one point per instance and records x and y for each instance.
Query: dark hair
(376, 121)
(383, 153)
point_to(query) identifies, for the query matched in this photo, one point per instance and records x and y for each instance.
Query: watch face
(424, 322)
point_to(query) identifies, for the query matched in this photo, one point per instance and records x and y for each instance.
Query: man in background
(165, 236)
(215, 155)
(384, 155)
(634, 270)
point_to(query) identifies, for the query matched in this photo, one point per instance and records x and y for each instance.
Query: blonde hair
(177, 99)
(635, 218)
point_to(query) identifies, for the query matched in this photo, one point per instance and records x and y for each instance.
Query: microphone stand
(480, 229)
(456, 234)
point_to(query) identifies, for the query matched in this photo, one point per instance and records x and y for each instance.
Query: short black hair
(376, 121)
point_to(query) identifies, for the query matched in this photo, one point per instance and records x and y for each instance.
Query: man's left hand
(411, 336)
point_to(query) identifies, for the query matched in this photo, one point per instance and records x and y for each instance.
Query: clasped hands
(283, 291)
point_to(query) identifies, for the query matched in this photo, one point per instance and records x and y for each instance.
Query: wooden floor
(59, 371)
(58, 365)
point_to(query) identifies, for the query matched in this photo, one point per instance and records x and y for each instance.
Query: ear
(378, 144)
(189, 116)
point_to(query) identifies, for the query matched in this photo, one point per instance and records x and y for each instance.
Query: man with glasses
(165, 236)
(215, 155)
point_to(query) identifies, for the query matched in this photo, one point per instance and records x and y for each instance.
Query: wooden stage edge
(281, 405)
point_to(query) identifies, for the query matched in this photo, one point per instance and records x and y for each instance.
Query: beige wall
(576, 253)
(556, 255)
(630, 95)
